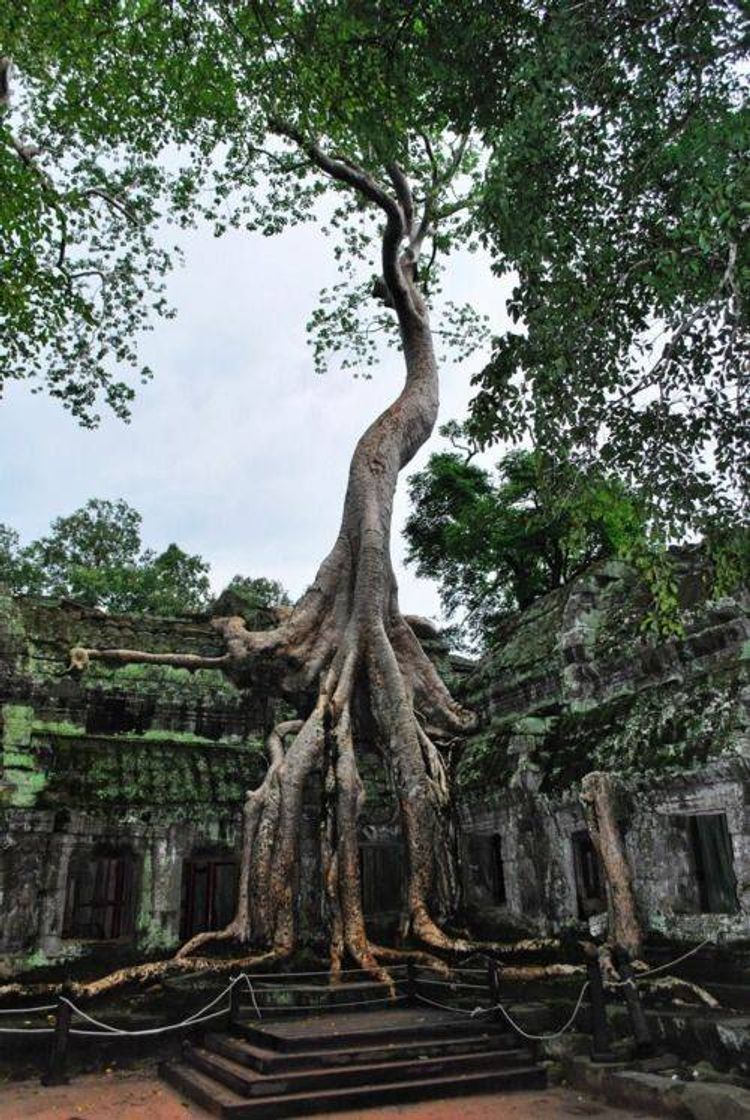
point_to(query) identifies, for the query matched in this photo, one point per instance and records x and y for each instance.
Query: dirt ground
(139, 1095)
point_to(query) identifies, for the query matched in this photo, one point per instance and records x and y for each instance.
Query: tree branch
(99, 192)
(345, 171)
(404, 195)
(80, 658)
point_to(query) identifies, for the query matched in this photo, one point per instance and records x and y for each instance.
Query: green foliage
(617, 193)
(259, 593)
(729, 554)
(95, 557)
(116, 117)
(595, 149)
(496, 544)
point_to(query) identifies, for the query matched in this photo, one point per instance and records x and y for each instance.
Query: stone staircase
(349, 1060)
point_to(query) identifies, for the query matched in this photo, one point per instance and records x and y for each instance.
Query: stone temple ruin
(121, 789)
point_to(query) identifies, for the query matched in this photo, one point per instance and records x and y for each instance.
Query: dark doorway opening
(487, 869)
(99, 903)
(590, 889)
(711, 860)
(209, 893)
(381, 874)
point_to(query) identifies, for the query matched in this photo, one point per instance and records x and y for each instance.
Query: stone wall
(577, 683)
(142, 771)
(543, 879)
(146, 760)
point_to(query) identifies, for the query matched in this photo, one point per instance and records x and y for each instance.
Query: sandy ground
(139, 1095)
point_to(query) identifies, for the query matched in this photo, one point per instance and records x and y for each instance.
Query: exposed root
(541, 972)
(256, 801)
(427, 930)
(597, 796)
(415, 956)
(143, 973)
(680, 990)
(229, 933)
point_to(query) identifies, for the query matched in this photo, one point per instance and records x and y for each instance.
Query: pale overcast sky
(236, 450)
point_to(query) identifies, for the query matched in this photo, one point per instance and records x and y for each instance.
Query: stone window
(703, 838)
(381, 870)
(590, 889)
(100, 896)
(209, 893)
(487, 869)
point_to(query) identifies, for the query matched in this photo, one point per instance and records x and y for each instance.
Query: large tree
(289, 101)
(246, 113)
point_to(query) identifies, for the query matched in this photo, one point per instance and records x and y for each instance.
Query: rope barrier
(321, 972)
(321, 987)
(27, 1030)
(150, 1030)
(27, 1010)
(663, 967)
(252, 994)
(453, 984)
(201, 1016)
(107, 1030)
(516, 1026)
(556, 1034)
(335, 1006)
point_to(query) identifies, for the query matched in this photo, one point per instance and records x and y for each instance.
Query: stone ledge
(621, 1084)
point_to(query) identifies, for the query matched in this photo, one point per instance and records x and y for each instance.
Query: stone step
(225, 1103)
(251, 1083)
(357, 994)
(359, 1029)
(275, 1061)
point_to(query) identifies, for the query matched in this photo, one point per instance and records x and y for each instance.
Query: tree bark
(597, 798)
(347, 642)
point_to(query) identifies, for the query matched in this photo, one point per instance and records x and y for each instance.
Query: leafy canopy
(597, 149)
(616, 192)
(496, 543)
(258, 592)
(95, 557)
(118, 118)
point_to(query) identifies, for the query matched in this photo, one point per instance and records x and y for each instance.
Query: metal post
(55, 1073)
(234, 1004)
(411, 983)
(601, 1046)
(493, 981)
(644, 1043)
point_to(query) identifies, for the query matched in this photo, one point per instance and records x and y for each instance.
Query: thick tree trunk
(597, 798)
(347, 642)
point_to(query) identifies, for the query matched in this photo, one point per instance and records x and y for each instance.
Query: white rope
(333, 1006)
(511, 1020)
(453, 984)
(323, 987)
(151, 1030)
(27, 1010)
(106, 1028)
(323, 972)
(663, 967)
(252, 993)
(540, 1037)
(27, 1030)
